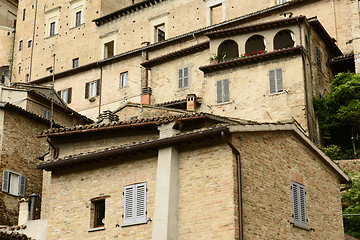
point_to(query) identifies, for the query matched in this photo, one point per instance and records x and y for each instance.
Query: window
(52, 29)
(20, 45)
(298, 204)
(78, 18)
(75, 62)
(282, 1)
(135, 204)
(19, 69)
(184, 77)
(46, 114)
(216, 14)
(223, 91)
(98, 213)
(123, 79)
(23, 17)
(27, 76)
(318, 57)
(65, 95)
(160, 33)
(92, 89)
(29, 43)
(276, 81)
(13, 183)
(109, 49)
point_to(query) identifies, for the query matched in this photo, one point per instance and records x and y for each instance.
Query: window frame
(183, 81)
(135, 204)
(6, 183)
(24, 14)
(20, 45)
(298, 202)
(52, 27)
(225, 96)
(75, 62)
(66, 95)
(78, 18)
(124, 79)
(275, 82)
(46, 114)
(96, 204)
(162, 29)
(106, 49)
(88, 89)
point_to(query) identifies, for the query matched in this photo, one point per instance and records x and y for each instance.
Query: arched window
(254, 45)
(284, 39)
(229, 48)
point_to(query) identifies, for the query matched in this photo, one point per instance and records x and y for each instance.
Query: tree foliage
(351, 205)
(338, 111)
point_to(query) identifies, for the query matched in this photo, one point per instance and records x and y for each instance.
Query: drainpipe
(100, 87)
(346, 188)
(12, 54)
(55, 149)
(33, 41)
(238, 163)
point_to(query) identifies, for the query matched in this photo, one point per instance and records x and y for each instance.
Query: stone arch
(284, 39)
(230, 48)
(254, 44)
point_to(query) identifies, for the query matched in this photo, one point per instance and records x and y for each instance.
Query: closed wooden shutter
(272, 81)
(69, 95)
(298, 204)
(87, 86)
(219, 87)
(279, 80)
(129, 204)
(226, 90)
(5, 181)
(180, 78)
(22, 184)
(140, 210)
(186, 77)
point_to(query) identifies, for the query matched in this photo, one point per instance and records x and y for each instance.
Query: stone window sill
(78, 26)
(134, 224)
(96, 229)
(48, 37)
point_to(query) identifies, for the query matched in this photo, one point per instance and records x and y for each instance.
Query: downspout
(100, 87)
(12, 54)
(33, 41)
(55, 149)
(238, 163)
(306, 97)
(346, 188)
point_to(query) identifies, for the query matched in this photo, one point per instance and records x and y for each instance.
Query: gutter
(238, 163)
(55, 149)
(347, 187)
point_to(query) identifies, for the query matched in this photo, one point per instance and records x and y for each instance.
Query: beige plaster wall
(8, 9)
(6, 42)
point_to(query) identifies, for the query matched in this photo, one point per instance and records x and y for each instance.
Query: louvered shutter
(279, 80)
(140, 197)
(5, 181)
(298, 204)
(87, 86)
(180, 78)
(219, 91)
(129, 204)
(226, 90)
(22, 184)
(186, 77)
(69, 95)
(272, 81)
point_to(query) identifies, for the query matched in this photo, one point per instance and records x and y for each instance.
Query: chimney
(191, 102)
(108, 117)
(23, 211)
(33, 198)
(146, 95)
(144, 71)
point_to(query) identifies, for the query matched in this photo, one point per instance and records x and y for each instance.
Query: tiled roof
(11, 233)
(136, 122)
(251, 59)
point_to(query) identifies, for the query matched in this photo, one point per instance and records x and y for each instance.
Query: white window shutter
(302, 206)
(186, 77)
(180, 78)
(298, 204)
(140, 213)
(279, 80)
(129, 204)
(272, 81)
(226, 89)
(219, 91)
(22, 184)
(5, 181)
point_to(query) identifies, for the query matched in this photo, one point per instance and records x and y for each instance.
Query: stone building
(189, 176)
(25, 111)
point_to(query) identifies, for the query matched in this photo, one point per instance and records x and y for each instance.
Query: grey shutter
(272, 81)
(226, 90)
(69, 95)
(98, 87)
(22, 184)
(219, 97)
(129, 204)
(186, 77)
(279, 80)
(180, 78)
(298, 204)
(140, 209)
(5, 181)
(87, 86)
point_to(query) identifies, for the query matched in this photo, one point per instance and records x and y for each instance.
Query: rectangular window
(282, 1)
(276, 81)
(46, 114)
(75, 62)
(66, 95)
(109, 49)
(78, 18)
(160, 33)
(216, 14)
(52, 29)
(98, 208)
(183, 77)
(92, 89)
(318, 57)
(13, 183)
(24, 12)
(298, 204)
(135, 204)
(20, 45)
(223, 91)
(123, 79)
(29, 43)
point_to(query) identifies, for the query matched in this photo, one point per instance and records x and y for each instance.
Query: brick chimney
(108, 117)
(146, 95)
(191, 102)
